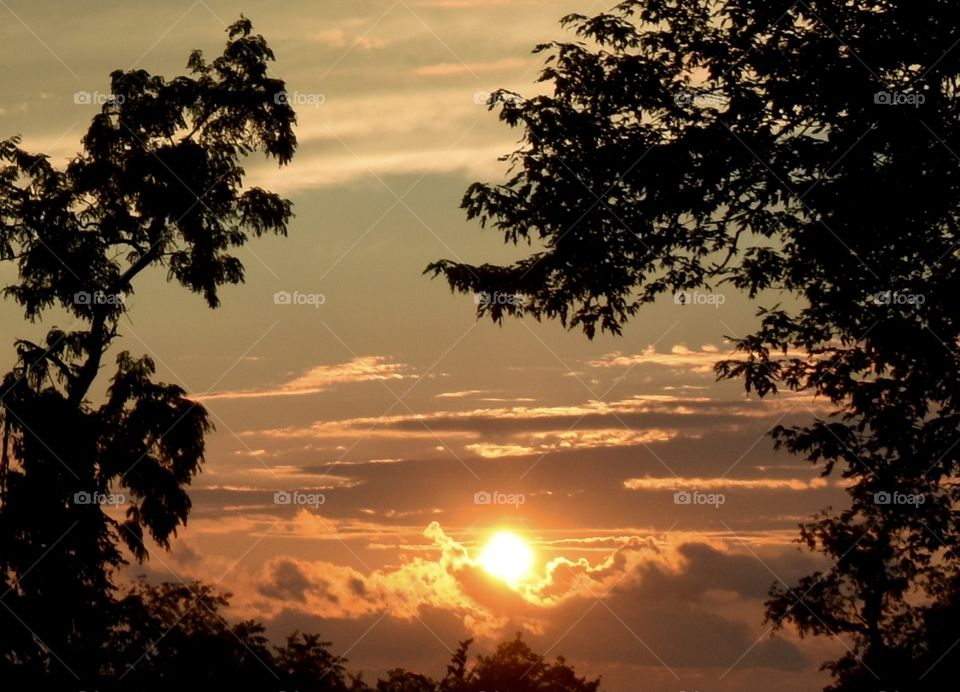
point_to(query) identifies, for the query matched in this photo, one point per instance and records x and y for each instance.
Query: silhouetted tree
(788, 149)
(513, 667)
(174, 636)
(306, 664)
(157, 184)
(399, 680)
(457, 674)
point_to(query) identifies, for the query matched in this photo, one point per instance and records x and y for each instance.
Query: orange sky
(410, 432)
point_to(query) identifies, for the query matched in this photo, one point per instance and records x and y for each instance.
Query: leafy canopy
(158, 182)
(802, 150)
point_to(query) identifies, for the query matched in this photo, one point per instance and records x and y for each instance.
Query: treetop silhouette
(158, 183)
(786, 150)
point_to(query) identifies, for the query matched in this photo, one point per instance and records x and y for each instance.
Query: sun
(506, 557)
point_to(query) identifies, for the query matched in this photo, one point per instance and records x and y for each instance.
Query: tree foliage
(512, 667)
(175, 635)
(158, 183)
(805, 150)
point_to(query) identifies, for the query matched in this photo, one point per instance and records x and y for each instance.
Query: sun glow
(506, 557)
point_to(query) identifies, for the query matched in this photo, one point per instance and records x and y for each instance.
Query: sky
(372, 435)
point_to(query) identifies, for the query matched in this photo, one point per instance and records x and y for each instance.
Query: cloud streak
(323, 378)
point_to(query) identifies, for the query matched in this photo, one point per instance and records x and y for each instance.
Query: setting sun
(507, 557)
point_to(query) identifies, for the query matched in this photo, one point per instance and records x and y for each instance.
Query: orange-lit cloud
(725, 483)
(573, 439)
(450, 420)
(448, 69)
(322, 378)
(442, 574)
(460, 394)
(674, 595)
(680, 356)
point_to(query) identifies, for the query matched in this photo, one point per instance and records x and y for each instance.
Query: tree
(399, 680)
(801, 152)
(158, 183)
(513, 667)
(458, 674)
(172, 635)
(306, 664)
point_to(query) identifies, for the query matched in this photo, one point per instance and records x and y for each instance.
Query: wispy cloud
(543, 443)
(322, 378)
(455, 69)
(461, 394)
(680, 356)
(655, 412)
(725, 483)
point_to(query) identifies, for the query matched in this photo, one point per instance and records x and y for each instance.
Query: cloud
(322, 378)
(680, 356)
(443, 573)
(725, 483)
(336, 168)
(513, 418)
(565, 579)
(453, 69)
(573, 439)
(337, 38)
(693, 605)
(496, 432)
(431, 580)
(461, 394)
